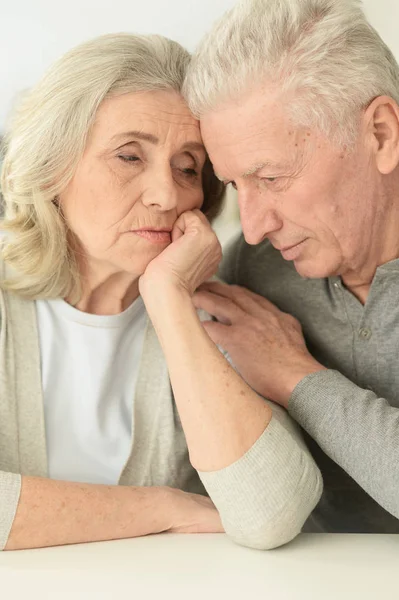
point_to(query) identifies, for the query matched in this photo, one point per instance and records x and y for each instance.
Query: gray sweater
(263, 499)
(351, 411)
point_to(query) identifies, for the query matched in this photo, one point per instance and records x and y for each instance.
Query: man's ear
(382, 122)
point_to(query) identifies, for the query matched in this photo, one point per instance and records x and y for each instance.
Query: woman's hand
(191, 258)
(193, 513)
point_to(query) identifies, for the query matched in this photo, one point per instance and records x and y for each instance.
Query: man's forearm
(221, 416)
(52, 513)
(355, 428)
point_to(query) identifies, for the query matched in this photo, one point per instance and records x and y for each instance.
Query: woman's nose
(161, 192)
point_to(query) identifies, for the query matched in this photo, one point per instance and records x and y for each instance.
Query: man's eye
(269, 179)
(128, 157)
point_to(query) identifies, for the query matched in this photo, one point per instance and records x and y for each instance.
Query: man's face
(315, 202)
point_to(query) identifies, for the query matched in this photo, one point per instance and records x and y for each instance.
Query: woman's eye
(186, 172)
(129, 158)
(189, 172)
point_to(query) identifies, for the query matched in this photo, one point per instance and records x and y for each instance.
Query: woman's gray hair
(323, 55)
(46, 139)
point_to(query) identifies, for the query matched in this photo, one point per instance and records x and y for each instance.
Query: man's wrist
(295, 376)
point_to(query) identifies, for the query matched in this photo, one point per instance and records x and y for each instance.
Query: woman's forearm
(222, 416)
(52, 513)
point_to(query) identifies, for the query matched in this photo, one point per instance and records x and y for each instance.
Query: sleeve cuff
(10, 489)
(313, 399)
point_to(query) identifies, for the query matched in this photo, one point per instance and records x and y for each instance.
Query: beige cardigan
(263, 499)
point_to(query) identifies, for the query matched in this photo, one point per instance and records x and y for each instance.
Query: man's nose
(258, 220)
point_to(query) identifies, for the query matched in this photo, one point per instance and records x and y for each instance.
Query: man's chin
(313, 269)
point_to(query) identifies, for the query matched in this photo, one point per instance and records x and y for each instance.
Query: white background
(33, 33)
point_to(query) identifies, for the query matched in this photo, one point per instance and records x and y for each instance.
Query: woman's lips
(154, 236)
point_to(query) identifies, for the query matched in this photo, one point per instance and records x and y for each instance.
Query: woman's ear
(382, 121)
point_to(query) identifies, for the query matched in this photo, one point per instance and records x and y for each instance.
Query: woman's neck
(106, 293)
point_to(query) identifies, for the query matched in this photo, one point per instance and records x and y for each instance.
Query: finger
(190, 218)
(222, 308)
(181, 224)
(203, 218)
(217, 287)
(193, 221)
(248, 301)
(217, 332)
(177, 231)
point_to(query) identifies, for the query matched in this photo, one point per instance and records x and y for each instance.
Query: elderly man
(298, 101)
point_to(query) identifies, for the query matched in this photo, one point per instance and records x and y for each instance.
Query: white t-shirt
(89, 367)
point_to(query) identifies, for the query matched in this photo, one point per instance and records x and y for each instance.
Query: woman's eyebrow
(152, 139)
(140, 135)
(194, 146)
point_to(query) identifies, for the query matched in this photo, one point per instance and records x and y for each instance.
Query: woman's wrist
(154, 289)
(171, 310)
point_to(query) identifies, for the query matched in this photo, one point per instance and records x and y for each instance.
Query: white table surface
(322, 567)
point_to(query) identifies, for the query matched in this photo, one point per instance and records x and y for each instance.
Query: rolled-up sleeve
(266, 496)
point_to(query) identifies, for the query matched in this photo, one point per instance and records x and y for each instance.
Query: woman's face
(140, 170)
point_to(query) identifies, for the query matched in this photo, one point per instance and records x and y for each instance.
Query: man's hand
(266, 345)
(191, 258)
(193, 513)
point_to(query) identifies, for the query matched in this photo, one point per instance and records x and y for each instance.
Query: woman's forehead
(155, 114)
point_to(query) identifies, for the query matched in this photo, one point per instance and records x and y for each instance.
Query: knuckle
(237, 290)
(229, 303)
(292, 320)
(274, 319)
(196, 229)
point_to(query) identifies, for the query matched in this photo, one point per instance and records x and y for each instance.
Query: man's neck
(380, 243)
(359, 282)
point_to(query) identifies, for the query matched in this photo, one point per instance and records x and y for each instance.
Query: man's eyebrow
(255, 168)
(259, 166)
(152, 139)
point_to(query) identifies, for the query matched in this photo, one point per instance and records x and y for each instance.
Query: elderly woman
(104, 179)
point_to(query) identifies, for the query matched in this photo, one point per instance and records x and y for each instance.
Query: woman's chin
(137, 263)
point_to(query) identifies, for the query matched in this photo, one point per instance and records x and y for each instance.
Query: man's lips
(291, 252)
(285, 248)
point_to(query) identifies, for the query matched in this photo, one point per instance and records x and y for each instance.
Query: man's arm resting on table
(354, 427)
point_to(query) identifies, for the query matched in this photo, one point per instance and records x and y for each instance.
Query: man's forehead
(242, 147)
(249, 127)
(245, 153)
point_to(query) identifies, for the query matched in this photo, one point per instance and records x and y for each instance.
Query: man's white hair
(324, 56)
